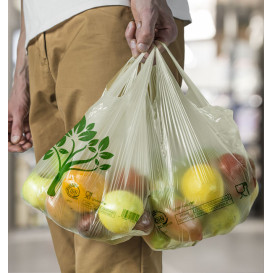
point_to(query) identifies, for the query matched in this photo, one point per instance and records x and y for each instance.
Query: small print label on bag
(205, 208)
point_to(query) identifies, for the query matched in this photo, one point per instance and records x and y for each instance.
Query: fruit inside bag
(94, 181)
(147, 160)
(202, 182)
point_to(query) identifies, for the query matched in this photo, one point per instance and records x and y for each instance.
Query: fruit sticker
(72, 190)
(83, 190)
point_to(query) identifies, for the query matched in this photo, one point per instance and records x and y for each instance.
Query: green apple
(34, 190)
(254, 194)
(157, 240)
(120, 211)
(221, 221)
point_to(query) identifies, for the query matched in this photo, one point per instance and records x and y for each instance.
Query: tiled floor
(241, 251)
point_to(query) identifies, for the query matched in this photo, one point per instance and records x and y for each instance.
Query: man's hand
(153, 21)
(19, 135)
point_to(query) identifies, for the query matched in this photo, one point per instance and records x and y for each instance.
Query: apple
(89, 226)
(34, 190)
(130, 180)
(235, 169)
(120, 211)
(157, 240)
(254, 194)
(200, 184)
(221, 221)
(163, 195)
(172, 220)
(145, 223)
(58, 210)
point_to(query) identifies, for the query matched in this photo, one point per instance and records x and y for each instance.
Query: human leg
(83, 54)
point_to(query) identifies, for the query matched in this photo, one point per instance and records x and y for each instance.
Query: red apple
(171, 221)
(235, 169)
(131, 180)
(145, 223)
(89, 226)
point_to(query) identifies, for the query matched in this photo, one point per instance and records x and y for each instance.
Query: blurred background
(224, 57)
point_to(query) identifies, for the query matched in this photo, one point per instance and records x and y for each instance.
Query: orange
(83, 190)
(58, 210)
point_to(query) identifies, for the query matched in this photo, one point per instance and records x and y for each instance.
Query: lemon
(201, 184)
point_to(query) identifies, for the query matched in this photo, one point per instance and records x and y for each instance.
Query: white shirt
(41, 15)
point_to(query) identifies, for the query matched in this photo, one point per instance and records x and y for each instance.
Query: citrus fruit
(201, 184)
(83, 190)
(59, 211)
(120, 211)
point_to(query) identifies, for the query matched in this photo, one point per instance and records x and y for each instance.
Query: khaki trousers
(69, 67)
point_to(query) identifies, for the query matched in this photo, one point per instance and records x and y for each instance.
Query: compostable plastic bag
(94, 181)
(147, 160)
(202, 182)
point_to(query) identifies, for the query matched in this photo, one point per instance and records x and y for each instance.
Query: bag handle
(191, 86)
(124, 77)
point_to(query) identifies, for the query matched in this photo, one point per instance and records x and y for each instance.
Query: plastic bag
(94, 181)
(202, 182)
(147, 160)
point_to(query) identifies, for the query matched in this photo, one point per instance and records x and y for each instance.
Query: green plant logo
(85, 133)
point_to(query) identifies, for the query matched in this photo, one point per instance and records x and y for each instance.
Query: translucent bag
(147, 160)
(202, 182)
(94, 181)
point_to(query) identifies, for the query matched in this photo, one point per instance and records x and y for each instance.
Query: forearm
(21, 68)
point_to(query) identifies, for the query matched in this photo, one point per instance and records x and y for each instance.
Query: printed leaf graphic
(90, 126)
(87, 135)
(80, 125)
(48, 154)
(104, 144)
(97, 162)
(105, 167)
(61, 142)
(69, 133)
(93, 142)
(92, 149)
(63, 151)
(106, 155)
